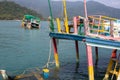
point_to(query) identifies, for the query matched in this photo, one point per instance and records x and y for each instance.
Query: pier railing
(96, 26)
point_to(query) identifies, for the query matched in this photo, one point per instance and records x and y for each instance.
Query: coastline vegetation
(11, 11)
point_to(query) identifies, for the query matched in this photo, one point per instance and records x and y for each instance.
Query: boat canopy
(31, 17)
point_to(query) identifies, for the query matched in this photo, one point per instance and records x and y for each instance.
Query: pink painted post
(86, 24)
(85, 9)
(77, 51)
(75, 25)
(90, 62)
(55, 52)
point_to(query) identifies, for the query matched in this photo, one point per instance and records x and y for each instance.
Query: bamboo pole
(65, 17)
(58, 25)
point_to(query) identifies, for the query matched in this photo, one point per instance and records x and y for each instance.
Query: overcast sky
(112, 3)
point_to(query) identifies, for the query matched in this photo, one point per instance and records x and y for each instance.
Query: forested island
(11, 11)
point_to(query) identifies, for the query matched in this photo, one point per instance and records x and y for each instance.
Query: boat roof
(29, 17)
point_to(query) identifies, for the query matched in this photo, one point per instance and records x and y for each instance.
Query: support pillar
(77, 56)
(118, 78)
(114, 53)
(90, 62)
(77, 51)
(58, 25)
(75, 25)
(96, 52)
(55, 52)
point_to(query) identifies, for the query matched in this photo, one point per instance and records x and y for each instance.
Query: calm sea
(22, 49)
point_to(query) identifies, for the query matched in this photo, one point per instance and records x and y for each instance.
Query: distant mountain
(73, 8)
(10, 10)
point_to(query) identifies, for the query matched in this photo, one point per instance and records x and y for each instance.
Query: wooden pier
(95, 31)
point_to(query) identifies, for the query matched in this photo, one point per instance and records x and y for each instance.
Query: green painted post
(51, 20)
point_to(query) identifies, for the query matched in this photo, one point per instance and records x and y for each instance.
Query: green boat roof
(29, 17)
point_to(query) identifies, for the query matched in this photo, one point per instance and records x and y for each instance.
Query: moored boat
(30, 21)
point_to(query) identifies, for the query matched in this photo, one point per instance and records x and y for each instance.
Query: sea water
(22, 49)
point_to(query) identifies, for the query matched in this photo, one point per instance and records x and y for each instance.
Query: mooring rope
(50, 50)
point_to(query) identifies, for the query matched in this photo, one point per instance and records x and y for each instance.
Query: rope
(50, 50)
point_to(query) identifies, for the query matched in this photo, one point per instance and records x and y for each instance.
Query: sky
(112, 3)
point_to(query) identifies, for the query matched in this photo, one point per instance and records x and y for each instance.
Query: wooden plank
(23, 76)
(37, 75)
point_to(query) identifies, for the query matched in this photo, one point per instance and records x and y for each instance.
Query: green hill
(10, 11)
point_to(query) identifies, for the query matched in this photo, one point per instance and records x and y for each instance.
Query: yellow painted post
(66, 26)
(65, 17)
(118, 77)
(108, 70)
(58, 25)
(110, 65)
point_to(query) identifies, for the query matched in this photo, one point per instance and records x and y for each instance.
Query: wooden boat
(30, 21)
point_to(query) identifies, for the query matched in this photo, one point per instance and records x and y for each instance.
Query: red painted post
(114, 53)
(55, 52)
(90, 62)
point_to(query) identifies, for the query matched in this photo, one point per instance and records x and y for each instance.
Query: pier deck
(88, 40)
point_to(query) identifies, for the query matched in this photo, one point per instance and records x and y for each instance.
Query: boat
(30, 21)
